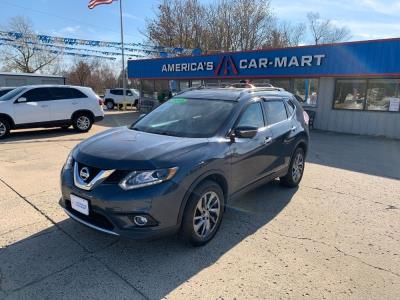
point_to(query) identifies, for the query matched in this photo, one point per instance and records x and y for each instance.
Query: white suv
(49, 106)
(114, 97)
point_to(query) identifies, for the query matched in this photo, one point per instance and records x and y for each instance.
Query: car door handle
(267, 140)
(44, 105)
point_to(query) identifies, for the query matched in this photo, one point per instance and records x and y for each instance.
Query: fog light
(140, 220)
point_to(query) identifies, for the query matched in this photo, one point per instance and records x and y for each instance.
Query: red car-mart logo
(226, 66)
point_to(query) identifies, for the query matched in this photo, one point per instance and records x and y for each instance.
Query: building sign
(345, 59)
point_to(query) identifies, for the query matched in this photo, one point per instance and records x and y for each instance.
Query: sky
(366, 19)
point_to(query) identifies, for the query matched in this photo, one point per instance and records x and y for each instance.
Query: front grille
(93, 218)
(92, 170)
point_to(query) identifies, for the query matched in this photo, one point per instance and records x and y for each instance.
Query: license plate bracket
(79, 204)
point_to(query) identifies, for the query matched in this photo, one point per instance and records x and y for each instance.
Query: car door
(32, 106)
(65, 101)
(251, 156)
(61, 107)
(117, 95)
(281, 127)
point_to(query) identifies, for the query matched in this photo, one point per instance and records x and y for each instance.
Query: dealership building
(353, 87)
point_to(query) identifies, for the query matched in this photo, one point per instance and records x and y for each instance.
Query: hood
(125, 149)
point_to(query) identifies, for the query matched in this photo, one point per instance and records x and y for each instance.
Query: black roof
(230, 94)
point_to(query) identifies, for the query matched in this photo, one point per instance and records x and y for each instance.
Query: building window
(183, 85)
(367, 94)
(382, 94)
(350, 94)
(306, 91)
(281, 83)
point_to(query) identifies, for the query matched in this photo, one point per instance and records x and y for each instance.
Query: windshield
(5, 91)
(12, 94)
(186, 117)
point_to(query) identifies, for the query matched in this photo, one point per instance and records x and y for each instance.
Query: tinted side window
(129, 93)
(276, 111)
(116, 92)
(290, 107)
(77, 93)
(38, 94)
(252, 117)
(60, 93)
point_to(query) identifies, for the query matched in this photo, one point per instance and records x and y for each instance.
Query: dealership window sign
(354, 58)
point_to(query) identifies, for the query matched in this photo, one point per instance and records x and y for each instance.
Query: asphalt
(337, 236)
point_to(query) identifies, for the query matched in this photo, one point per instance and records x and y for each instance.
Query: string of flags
(130, 47)
(53, 51)
(9, 41)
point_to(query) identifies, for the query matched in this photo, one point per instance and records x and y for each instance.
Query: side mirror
(246, 132)
(21, 100)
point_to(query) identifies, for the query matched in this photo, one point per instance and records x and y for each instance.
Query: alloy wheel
(206, 214)
(83, 123)
(3, 129)
(298, 167)
(110, 105)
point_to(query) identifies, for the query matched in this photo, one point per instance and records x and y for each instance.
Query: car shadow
(153, 268)
(111, 119)
(42, 135)
(376, 156)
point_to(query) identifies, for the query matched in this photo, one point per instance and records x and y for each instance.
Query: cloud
(366, 19)
(391, 8)
(70, 29)
(133, 17)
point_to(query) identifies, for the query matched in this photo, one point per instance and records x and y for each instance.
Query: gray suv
(175, 169)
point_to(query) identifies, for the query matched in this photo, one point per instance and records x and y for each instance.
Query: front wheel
(296, 169)
(203, 214)
(4, 129)
(82, 123)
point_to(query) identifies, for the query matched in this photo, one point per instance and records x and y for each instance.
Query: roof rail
(261, 89)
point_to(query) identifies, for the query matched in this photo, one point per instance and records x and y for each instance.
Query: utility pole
(123, 53)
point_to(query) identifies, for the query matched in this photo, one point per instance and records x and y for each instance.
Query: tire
(110, 104)
(296, 169)
(199, 227)
(4, 128)
(82, 122)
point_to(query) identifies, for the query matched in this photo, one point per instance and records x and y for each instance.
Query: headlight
(138, 179)
(69, 161)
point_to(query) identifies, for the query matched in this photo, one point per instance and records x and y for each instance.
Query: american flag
(94, 3)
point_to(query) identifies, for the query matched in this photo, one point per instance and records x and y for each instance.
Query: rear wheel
(82, 122)
(4, 128)
(109, 104)
(203, 214)
(296, 169)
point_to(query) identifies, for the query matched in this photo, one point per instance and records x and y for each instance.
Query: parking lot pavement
(336, 236)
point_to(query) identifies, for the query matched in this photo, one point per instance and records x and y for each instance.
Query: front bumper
(111, 209)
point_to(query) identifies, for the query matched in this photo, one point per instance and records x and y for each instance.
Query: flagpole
(123, 53)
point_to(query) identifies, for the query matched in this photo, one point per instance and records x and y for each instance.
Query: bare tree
(223, 25)
(286, 34)
(93, 73)
(323, 31)
(24, 52)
